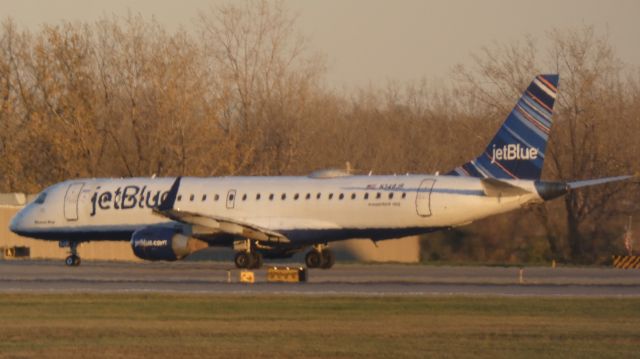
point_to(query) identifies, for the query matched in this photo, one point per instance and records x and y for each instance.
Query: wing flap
(215, 224)
(205, 223)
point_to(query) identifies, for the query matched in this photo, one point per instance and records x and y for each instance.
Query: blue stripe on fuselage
(299, 237)
(463, 192)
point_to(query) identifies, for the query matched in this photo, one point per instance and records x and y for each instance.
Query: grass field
(172, 326)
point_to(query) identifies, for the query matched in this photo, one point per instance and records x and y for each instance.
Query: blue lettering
(132, 196)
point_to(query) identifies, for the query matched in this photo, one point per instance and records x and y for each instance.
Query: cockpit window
(41, 198)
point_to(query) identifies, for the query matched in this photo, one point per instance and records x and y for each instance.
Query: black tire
(313, 259)
(257, 260)
(70, 261)
(328, 259)
(244, 260)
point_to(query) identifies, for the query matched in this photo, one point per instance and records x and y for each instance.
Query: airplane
(276, 217)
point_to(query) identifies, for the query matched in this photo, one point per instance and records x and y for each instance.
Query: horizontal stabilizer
(497, 188)
(594, 182)
(551, 190)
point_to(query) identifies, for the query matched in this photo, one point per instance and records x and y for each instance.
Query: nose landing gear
(73, 260)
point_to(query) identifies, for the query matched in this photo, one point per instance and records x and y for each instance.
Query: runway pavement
(344, 279)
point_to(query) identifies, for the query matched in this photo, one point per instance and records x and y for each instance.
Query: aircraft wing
(215, 224)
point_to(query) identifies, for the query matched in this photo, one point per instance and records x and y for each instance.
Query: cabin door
(423, 198)
(71, 201)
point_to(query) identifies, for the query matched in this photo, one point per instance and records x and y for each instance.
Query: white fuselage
(307, 210)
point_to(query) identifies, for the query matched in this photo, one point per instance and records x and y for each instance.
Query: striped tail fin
(518, 149)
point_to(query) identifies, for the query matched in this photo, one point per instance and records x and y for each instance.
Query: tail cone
(551, 190)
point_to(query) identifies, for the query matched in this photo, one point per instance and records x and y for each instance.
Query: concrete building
(406, 250)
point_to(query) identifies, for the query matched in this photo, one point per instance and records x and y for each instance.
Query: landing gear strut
(320, 257)
(248, 258)
(73, 260)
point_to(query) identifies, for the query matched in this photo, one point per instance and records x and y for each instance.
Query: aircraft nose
(16, 224)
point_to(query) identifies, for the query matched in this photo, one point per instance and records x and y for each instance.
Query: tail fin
(518, 149)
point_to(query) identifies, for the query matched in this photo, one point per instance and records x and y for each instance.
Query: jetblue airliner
(275, 217)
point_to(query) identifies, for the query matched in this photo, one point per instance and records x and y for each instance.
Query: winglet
(170, 200)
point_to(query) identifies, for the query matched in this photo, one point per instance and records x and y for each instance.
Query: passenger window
(192, 197)
(391, 195)
(179, 198)
(296, 196)
(258, 197)
(353, 196)
(244, 197)
(231, 197)
(330, 195)
(404, 195)
(216, 197)
(308, 196)
(284, 196)
(366, 195)
(204, 197)
(378, 195)
(271, 197)
(318, 195)
(341, 196)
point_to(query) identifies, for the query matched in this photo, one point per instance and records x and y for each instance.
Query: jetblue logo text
(150, 243)
(127, 197)
(513, 152)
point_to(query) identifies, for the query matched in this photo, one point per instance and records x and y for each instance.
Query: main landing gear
(73, 260)
(320, 257)
(248, 258)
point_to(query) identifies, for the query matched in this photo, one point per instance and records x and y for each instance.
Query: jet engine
(163, 244)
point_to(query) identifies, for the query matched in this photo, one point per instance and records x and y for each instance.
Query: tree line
(243, 93)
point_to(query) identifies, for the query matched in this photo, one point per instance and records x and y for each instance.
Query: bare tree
(262, 75)
(582, 145)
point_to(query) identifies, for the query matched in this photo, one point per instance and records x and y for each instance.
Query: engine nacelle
(163, 244)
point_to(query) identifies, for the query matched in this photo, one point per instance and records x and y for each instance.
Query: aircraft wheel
(257, 260)
(72, 261)
(243, 260)
(328, 259)
(313, 259)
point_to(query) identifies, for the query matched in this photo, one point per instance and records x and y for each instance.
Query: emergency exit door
(231, 199)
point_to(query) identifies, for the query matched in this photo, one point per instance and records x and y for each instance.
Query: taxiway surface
(343, 279)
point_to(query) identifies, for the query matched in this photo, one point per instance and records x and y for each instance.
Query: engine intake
(163, 244)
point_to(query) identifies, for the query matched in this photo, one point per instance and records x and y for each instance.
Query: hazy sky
(374, 40)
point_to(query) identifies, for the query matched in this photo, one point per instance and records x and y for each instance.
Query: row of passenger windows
(297, 196)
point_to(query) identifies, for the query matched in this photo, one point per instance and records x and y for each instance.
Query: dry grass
(167, 326)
